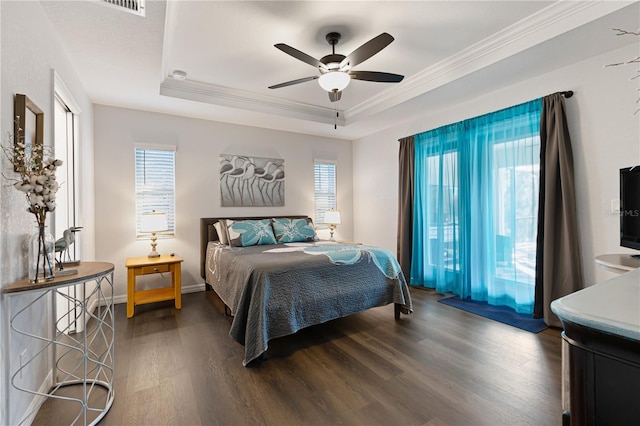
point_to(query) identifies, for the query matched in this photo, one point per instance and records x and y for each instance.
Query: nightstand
(144, 266)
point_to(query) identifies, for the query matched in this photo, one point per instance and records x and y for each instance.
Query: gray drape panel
(558, 261)
(405, 204)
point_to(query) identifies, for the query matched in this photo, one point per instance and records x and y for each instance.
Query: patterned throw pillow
(245, 233)
(294, 230)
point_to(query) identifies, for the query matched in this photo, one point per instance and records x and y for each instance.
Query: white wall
(30, 50)
(199, 144)
(605, 137)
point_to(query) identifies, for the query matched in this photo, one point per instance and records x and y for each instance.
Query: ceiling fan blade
(366, 51)
(301, 56)
(292, 82)
(380, 77)
(335, 96)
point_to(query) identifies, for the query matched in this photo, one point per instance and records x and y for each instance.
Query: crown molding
(555, 19)
(243, 99)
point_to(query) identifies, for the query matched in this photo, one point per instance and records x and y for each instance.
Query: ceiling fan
(336, 69)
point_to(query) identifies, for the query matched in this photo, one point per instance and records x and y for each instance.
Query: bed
(274, 286)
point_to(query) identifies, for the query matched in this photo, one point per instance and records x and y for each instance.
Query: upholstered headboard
(208, 233)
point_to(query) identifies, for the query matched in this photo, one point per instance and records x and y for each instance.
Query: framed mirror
(28, 134)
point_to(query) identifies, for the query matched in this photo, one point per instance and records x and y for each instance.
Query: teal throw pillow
(245, 233)
(294, 230)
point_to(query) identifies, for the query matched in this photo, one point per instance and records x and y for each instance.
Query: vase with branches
(36, 178)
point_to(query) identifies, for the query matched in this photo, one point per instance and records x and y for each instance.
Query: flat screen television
(630, 208)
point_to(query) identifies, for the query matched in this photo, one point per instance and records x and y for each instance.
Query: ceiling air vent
(133, 6)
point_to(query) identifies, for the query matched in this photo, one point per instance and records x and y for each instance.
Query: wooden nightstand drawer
(155, 269)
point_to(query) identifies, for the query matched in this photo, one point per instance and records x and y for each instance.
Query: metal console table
(81, 362)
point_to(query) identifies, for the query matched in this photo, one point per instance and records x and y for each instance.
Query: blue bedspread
(276, 290)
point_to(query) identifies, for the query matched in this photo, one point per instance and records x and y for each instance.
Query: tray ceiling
(226, 50)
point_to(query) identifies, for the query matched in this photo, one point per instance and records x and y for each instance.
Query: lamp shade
(332, 217)
(334, 81)
(154, 222)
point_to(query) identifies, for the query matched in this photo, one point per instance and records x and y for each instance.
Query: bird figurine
(62, 244)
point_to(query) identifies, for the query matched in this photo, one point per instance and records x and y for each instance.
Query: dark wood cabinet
(602, 331)
(604, 377)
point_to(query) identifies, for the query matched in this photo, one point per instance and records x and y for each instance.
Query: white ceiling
(226, 49)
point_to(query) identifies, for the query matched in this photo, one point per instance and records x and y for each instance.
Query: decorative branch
(635, 60)
(37, 179)
(625, 32)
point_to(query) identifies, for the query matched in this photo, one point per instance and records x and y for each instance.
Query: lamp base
(154, 244)
(331, 229)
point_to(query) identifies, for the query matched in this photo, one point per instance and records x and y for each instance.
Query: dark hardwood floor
(438, 366)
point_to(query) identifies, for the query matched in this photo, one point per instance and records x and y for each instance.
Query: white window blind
(324, 188)
(155, 186)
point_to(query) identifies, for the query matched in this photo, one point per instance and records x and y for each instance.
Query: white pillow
(221, 229)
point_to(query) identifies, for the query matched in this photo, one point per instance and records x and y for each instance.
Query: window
(67, 143)
(324, 188)
(65, 215)
(155, 185)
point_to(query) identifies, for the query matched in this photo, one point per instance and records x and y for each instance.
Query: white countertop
(612, 306)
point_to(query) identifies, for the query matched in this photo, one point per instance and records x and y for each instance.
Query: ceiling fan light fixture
(336, 69)
(334, 81)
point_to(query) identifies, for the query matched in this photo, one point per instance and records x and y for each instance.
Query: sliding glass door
(475, 209)
(516, 183)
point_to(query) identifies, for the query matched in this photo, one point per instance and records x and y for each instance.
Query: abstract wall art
(251, 181)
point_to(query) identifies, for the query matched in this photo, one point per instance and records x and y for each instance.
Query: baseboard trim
(37, 400)
(185, 289)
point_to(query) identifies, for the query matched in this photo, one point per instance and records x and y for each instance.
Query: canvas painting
(251, 181)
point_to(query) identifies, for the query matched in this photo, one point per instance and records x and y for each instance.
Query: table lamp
(151, 223)
(332, 218)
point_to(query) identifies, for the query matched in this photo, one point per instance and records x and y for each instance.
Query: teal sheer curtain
(475, 207)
